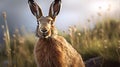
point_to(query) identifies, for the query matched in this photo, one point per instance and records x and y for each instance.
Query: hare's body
(56, 52)
(52, 50)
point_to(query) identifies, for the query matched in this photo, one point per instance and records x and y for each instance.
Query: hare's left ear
(35, 9)
(54, 8)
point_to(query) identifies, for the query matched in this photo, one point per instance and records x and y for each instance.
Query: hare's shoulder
(66, 44)
(60, 39)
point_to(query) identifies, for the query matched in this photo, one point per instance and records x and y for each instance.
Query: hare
(51, 49)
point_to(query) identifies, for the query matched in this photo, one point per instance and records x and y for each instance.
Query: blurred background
(83, 20)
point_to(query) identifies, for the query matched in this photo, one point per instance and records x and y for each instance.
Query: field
(102, 41)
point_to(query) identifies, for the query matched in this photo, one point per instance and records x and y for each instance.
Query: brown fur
(52, 50)
(56, 52)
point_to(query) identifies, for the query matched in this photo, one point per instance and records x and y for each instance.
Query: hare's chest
(48, 54)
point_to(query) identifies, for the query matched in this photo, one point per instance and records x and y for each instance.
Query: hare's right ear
(54, 8)
(35, 9)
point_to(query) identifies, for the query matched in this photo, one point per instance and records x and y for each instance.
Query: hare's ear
(55, 8)
(35, 9)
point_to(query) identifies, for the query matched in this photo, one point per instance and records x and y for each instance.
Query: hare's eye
(38, 21)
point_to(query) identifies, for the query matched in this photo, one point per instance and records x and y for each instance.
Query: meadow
(102, 41)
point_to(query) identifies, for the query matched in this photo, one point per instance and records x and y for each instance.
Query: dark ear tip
(57, 0)
(31, 1)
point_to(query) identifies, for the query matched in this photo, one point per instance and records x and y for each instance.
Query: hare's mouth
(45, 35)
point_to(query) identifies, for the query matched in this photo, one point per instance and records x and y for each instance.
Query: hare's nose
(44, 30)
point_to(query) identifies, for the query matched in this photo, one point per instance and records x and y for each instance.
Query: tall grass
(103, 40)
(7, 41)
(18, 48)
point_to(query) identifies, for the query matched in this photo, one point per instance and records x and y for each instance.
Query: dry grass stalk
(7, 40)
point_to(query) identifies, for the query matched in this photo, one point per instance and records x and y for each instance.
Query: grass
(101, 41)
(18, 49)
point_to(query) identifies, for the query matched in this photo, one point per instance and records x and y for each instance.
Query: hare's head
(45, 24)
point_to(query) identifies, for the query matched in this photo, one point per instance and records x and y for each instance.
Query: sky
(73, 12)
